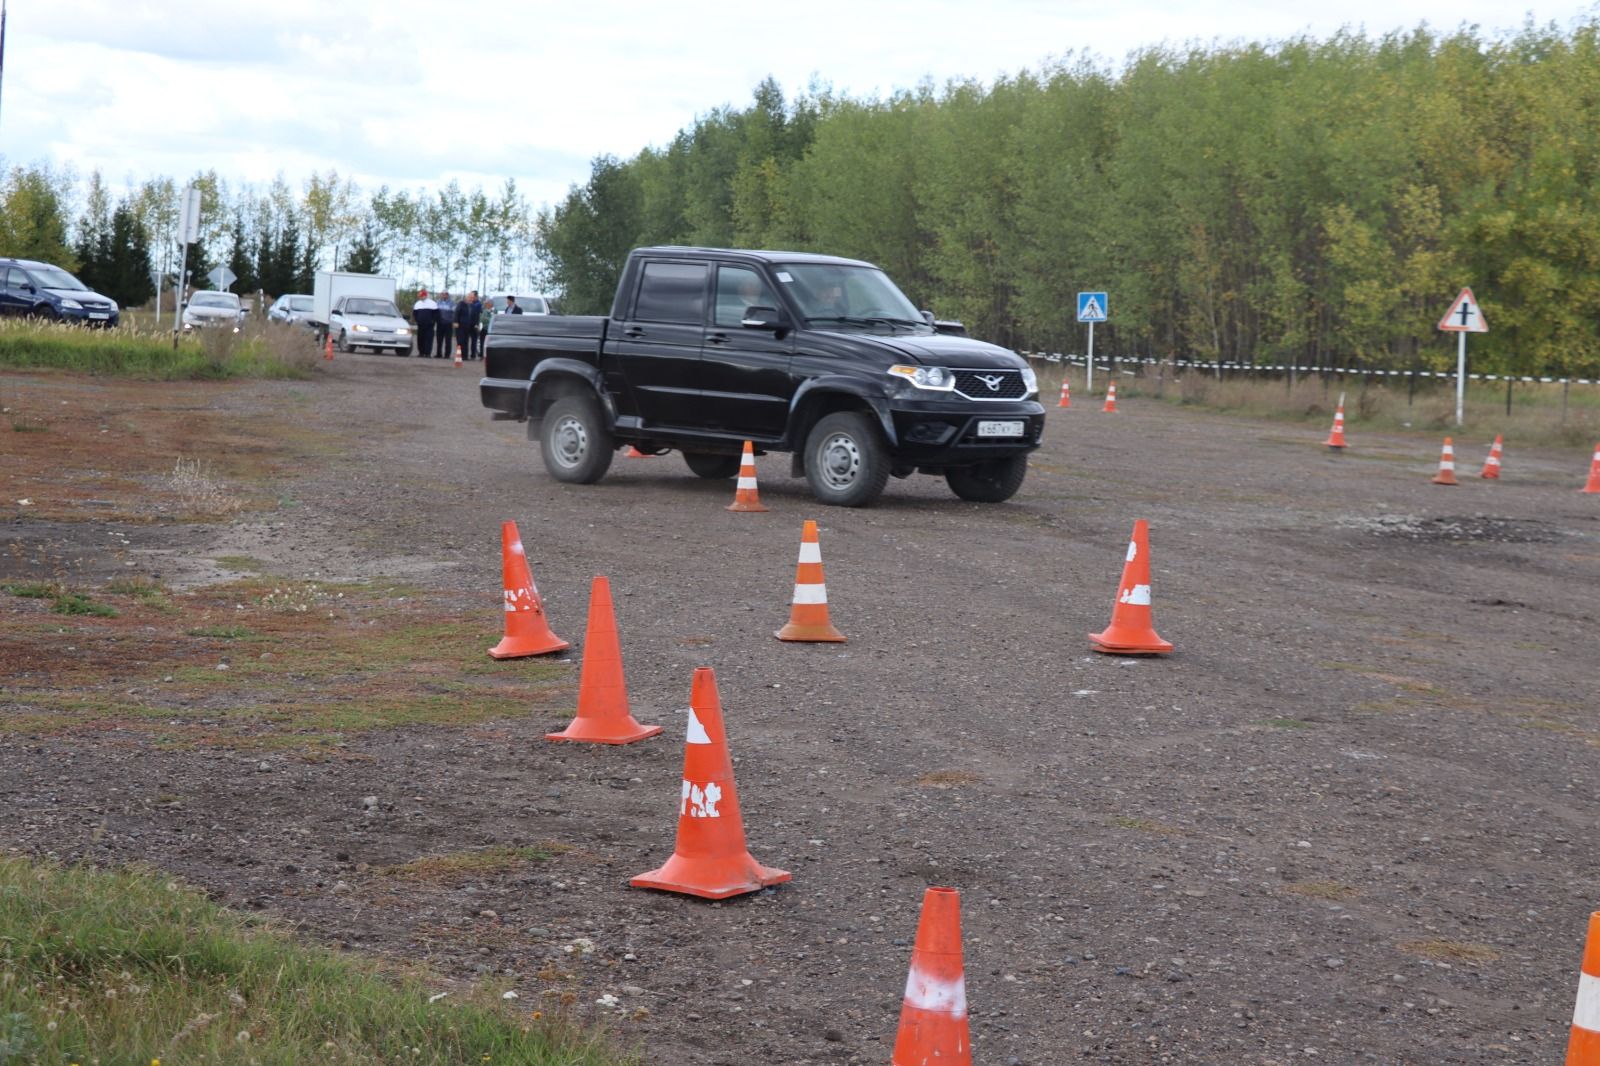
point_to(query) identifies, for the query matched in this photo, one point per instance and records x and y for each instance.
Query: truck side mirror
(764, 318)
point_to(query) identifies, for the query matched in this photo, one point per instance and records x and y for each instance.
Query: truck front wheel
(847, 464)
(576, 445)
(990, 482)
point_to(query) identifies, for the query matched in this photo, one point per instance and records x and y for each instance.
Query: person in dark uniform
(467, 312)
(446, 334)
(425, 315)
(512, 307)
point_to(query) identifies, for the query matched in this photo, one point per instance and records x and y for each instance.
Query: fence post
(1565, 385)
(1508, 397)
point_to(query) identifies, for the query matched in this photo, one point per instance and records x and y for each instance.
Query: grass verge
(130, 967)
(260, 351)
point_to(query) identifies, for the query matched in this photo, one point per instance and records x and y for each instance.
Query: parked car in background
(28, 287)
(210, 309)
(368, 322)
(531, 305)
(293, 309)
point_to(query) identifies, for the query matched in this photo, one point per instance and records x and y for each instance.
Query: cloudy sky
(412, 94)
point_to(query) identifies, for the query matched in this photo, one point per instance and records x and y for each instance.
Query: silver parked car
(209, 309)
(368, 322)
(293, 309)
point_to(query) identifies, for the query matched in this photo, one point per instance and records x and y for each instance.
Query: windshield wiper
(857, 320)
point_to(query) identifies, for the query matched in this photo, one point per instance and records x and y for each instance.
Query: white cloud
(409, 93)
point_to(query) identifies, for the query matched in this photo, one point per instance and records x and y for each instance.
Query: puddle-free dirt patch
(1458, 529)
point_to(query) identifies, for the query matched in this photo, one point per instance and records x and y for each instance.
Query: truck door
(744, 373)
(658, 343)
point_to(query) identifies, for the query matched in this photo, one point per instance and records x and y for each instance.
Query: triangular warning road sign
(1464, 316)
(1091, 310)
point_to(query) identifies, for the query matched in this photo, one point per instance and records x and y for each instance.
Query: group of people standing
(464, 323)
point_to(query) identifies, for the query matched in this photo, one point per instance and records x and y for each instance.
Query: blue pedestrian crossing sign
(1092, 307)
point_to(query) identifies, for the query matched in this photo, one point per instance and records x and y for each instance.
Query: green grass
(78, 603)
(31, 590)
(257, 353)
(128, 967)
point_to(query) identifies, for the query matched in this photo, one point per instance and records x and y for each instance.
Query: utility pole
(2, 42)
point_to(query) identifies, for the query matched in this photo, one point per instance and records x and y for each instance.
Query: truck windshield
(833, 293)
(370, 307)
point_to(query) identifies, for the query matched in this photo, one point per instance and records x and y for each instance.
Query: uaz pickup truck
(822, 357)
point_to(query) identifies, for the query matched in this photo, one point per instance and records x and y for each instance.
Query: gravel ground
(1344, 821)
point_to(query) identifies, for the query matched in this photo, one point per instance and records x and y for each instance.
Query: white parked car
(531, 305)
(368, 322)
(209, 309)
(291, 309)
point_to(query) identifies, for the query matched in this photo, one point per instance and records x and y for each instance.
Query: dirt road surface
(1348, 820)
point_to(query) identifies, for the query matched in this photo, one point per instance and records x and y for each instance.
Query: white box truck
(333, 285)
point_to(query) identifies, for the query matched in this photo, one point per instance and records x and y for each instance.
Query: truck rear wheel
(847, 464)
(574, 441)
(990, 482)
(707, 465)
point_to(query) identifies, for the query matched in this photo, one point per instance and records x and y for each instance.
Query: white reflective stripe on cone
(811, 594)
(926, 992)
(810, 551)
(1447, 465)
(1586, 1014)
(746, 483)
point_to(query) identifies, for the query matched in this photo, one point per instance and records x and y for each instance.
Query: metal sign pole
(1461, 374)
(1088, 385)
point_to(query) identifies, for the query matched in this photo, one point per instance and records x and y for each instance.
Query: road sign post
(188, 232)
(1464, 317)
(1092, 307)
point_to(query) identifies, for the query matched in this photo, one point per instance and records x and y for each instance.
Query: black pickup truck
(823, 357)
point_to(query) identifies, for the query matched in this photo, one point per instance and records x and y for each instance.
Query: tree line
(273, 237)
(1317, 201)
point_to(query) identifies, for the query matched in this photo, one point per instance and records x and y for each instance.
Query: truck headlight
(359, 328)
(402, 331)
(932, 378)
(1031, 380)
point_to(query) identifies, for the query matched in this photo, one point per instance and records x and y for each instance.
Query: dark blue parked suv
(45, 291)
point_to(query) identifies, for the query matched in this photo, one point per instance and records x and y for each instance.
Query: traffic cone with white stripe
(527, 631)
(933, 1014)
(635, 453)
(458, 355)
(1066, 394)
(808, 617)
(1491, 465)
(1594, 472)
(711, 858)
(1335, 439)
(603, 716)
(1583, 1044)
(1111, 398)
(745, 496)
(327, 350)
(1447, 465)
(1132, 630)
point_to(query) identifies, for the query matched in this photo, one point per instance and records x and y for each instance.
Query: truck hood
(944, 350)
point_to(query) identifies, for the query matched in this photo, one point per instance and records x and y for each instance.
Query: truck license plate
(1000, 429)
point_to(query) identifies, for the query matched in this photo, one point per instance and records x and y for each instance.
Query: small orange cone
(458, 355)
(711, 859)
(1583, 1043)
(327, 349)
(1132, 631)
(1336, 437)
(1491, 465)
(808, 616)
(603, 716)
(745, 496)
(1066, 394)
(1447, 465)
(1594, 472)
(634, 453)
(933, 1014)
(1111, 398)
(527, 631)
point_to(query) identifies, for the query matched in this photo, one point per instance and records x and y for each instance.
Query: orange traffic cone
(711, 858)
(1447, 465)
(1066, 394)
(1111, 398)
(603, 716)
(1336, 437)
(1594, 472)
(933, 1015)
(745, 496)
(458, 355)
(1491, 465)
(1131, 631)
(634, 453)
(1583, 1043)
(808, 617)
(527, 631)
(327, 349)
